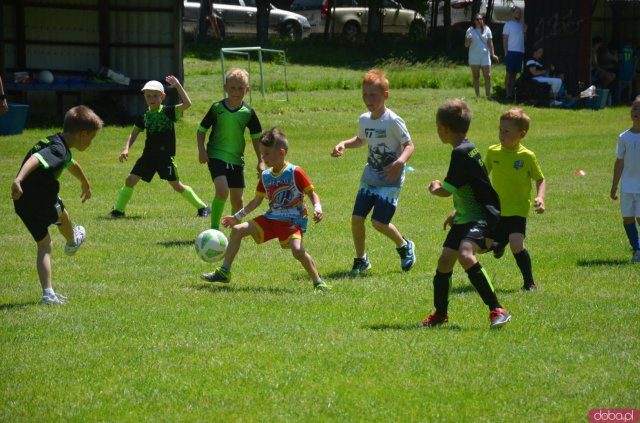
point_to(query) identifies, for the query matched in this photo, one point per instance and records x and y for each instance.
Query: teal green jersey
(226, 141)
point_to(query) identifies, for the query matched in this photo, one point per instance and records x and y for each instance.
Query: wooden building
(74, 39)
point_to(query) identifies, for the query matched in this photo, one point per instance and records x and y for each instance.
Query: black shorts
(475, 232)
(37, 219)
(147, 166)
(508, 225)
(234, 173)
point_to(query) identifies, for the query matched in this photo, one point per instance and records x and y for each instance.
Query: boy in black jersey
(159, 147)
(35, 190)
(477, 210)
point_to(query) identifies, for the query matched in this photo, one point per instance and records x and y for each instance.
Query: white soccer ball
(211, 245)
(45, 77)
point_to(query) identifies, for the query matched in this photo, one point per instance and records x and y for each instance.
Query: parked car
(350, 17)
(461, 11)
(238, 18)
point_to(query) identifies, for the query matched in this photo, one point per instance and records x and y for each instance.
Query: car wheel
(350, 31)
(418, 29)
(291, 31)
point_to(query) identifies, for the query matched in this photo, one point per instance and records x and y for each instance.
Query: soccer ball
(211, 245)
(45, 77)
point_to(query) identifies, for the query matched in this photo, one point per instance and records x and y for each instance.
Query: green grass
(142, 339)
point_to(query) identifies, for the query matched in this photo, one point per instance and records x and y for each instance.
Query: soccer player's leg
(143, 169)
(300, 254)
(169, 172)
(441, 288)
(217, 169)
(630, 209)
(239, 231)
(361, 208)
(478, 277)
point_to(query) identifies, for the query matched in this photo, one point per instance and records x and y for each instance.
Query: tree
(447, 24)
(374, 21)
(262, 21)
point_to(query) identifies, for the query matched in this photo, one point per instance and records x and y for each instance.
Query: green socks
(192, 198)
(217, 207)
(123, 198)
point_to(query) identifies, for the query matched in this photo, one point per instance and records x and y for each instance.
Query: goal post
(247, 52)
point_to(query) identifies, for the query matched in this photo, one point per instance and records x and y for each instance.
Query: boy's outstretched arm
(29, 166)
(184, 97)
(538, 202)
(317, 207)
(617, 174)
(76, 170)
(229, 221)
(132, 138)
(354, 142)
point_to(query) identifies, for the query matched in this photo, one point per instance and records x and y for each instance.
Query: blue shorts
(513, 61)
(383, 201)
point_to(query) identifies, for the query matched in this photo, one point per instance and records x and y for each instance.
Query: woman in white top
(480, 44)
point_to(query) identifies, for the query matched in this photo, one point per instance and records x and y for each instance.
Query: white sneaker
(636, 257)
(589, 92)
(79, 235)
(54, 299)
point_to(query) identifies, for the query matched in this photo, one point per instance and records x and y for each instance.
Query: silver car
(350, 17)
(238, 18)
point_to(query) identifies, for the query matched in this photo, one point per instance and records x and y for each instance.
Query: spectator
(4, 106)
(479, 41)
(599, 76)
(538, 72)
(513, 35)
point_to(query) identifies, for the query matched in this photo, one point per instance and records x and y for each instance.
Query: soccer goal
(278, 61)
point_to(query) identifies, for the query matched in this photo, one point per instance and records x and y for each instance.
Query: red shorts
(270, 228)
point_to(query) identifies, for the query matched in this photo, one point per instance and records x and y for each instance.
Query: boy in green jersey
(159, 147)
(224, 153)
(477, 209)
(512, 167)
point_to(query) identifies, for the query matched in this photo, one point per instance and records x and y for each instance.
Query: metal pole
(261, 72)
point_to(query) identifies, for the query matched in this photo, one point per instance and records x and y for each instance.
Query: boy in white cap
(160, 146)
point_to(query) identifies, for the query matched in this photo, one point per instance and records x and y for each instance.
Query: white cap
(153, 86)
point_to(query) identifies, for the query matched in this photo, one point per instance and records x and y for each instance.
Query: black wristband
(3, 96)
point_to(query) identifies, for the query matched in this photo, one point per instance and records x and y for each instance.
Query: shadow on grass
(7, 307)
(593, 263)
(464, 289)
(107, 217)
(254, 290)
(176, 243)
(341, 275)
(407, 326)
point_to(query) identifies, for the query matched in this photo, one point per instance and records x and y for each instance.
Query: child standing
(224, 152)
(35, 191)
(627, 170)
(512, 167)
(477, 209)
(285, 186)
(159, 147)
(390, 147)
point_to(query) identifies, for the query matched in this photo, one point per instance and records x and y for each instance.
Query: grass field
(143, 339)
